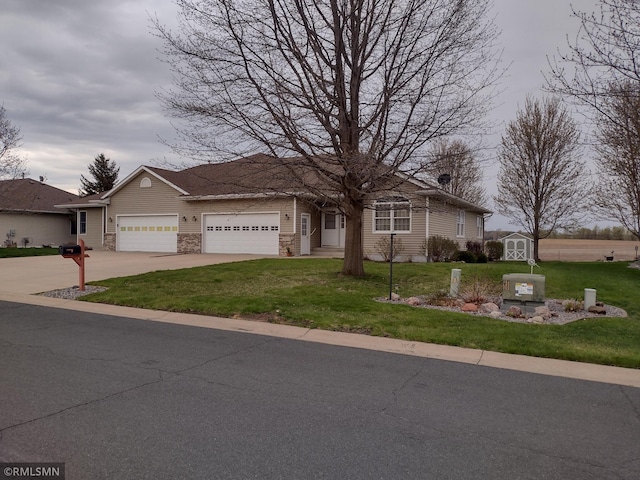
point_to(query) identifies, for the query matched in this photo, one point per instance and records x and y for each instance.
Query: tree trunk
(353, 254)
(536, 241)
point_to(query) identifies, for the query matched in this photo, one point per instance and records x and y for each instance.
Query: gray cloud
(79, 77)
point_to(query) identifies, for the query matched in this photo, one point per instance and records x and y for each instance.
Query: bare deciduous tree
(617, 193)
(601, 70)
(605, 50)
(456, 159)
(11, 164)
(354, 89)
(541, 180)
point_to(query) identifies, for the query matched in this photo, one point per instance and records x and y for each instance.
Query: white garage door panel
(153, 233)
(244, 233)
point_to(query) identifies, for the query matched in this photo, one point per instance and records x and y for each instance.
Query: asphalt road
(131, 399)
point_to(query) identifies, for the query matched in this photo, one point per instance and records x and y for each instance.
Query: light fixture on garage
(184, 219)
(110, 219)
(286, 215)
(195, 219)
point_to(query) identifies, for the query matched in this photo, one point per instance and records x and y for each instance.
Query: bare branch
(356, 89)
(12, 165)
(541, 184)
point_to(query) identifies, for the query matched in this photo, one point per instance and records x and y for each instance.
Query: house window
(479, 225)
(460, 223)
(392, 214)
(82, 224)
(145, 182)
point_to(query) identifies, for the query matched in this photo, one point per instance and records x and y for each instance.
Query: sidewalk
(21, 277)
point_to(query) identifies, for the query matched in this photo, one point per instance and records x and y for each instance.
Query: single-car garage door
(148, 233)
(243, 233)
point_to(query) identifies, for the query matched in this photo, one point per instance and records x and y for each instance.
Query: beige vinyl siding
(411, 241)
(160, 198)
(39, 228)
(471, 227)
(442, 220)
(93, 237)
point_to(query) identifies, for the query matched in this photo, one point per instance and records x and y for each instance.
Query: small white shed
(517, 247)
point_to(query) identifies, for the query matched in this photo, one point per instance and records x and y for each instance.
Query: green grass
(11, 252)
(311, 293)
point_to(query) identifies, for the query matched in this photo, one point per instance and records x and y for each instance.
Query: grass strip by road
(311, 293)
(12, 252)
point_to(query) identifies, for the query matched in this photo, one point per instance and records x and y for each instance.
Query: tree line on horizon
(578, 233)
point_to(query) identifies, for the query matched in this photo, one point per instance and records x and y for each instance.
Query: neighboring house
(517, 247)
(251, 206)
(28, 216)
(89, 218)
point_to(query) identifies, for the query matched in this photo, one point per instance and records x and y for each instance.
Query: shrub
(572, 305)
(474, 247)
(440, 249)
(441, 298)
(494, 249)
(480, 289)
(465, 256)
(482, 258)
(383, 247)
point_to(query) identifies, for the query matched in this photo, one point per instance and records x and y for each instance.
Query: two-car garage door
(222, 233)
(148, 233)
(243, 233)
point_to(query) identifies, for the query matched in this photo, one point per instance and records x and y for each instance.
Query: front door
(305, 236)
(333, 229)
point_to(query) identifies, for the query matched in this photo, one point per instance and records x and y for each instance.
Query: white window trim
(479, 225)
(392, 216)
(80, 232)
(460, 225)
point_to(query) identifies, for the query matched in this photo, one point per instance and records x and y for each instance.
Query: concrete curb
(544, 366)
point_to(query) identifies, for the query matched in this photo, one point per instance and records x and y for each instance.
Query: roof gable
(164, 176)
(515, 235)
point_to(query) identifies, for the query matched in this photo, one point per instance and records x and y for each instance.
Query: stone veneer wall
(287, 240)
(110, 242)
(189, 243)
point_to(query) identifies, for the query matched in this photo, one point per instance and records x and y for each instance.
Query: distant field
(586, 250)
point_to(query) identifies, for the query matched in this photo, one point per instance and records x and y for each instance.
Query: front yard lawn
(311, 293)
(11, 252)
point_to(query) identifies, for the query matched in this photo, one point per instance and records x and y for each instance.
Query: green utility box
(523, 290)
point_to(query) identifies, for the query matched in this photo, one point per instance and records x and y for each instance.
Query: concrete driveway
(30, 275)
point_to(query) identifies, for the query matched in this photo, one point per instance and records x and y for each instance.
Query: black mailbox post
(75, 253)
(69, 250)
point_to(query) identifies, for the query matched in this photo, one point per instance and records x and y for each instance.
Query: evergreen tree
(104, 173)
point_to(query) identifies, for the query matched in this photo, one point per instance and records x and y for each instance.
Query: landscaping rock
(543, 312)
(489, 307)
(537, 319)
(514, 312)
(414, 301)
(496, 314)
(395, 297)
(598, 309)
(469, 307)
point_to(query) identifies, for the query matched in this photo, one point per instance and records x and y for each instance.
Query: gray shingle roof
(28, 195)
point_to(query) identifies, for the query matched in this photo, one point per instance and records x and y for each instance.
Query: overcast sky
(78, 78)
